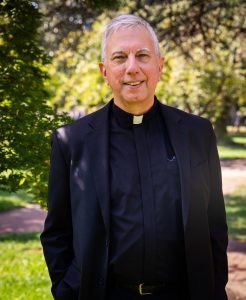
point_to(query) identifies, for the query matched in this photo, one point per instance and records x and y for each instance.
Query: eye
(119, 58)
(143, 57)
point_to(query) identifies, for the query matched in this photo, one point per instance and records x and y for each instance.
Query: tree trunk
(221, 121)
(220, 128)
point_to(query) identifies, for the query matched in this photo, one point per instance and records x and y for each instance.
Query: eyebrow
(117, 52)
(123, 52)
(143, 49)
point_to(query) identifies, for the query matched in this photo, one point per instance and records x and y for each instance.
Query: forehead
(129, 39)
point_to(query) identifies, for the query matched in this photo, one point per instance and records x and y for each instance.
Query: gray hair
(127, 21)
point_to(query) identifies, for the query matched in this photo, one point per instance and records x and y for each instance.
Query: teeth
(133, 83)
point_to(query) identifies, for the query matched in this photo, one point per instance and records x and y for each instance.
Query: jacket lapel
(180, 142)
(98, 150)
(98, 147)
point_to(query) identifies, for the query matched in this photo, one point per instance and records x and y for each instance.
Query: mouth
(133, 83)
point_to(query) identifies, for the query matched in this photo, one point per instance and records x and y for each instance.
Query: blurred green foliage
(205, 69)
(75, 77)
(26, 120)
(203, 44)
(62, 17)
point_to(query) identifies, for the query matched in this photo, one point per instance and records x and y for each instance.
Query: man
(135, 206)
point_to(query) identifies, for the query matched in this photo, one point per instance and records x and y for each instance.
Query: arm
(217, 222)
(57, 238)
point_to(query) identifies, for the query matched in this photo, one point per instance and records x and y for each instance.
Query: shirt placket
(147, 197)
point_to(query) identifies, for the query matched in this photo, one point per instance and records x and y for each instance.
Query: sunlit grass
(236, 213)
(240, 139)
(231, 152)
(234, 147)
(23, 273)
(9, 201)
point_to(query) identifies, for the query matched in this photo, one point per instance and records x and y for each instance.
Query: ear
(103, 71)
(161, 64)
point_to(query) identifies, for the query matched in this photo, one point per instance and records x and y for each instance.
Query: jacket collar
(98, 149)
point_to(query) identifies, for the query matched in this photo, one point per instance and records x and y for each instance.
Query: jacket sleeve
(217, 222)
(57, 237)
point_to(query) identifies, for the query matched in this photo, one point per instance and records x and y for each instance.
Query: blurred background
(49, 54)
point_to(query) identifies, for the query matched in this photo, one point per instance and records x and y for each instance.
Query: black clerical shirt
(147, 243)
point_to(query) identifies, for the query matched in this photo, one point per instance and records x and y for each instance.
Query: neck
(134, 108)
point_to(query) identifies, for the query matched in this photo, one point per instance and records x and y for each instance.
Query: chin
(135, 98)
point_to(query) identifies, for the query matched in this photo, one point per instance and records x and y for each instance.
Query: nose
(132, 66)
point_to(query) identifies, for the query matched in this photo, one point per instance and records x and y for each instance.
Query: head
(131, 62)
(127, 21)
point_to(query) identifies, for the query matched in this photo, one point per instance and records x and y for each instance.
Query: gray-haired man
(135, 199)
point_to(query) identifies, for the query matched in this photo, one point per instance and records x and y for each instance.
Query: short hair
(127, 21)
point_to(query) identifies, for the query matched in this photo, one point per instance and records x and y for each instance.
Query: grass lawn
(236, 214)
(13, 200)
(235, 147)
(23, 273)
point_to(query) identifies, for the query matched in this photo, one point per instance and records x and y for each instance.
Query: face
(132, 68)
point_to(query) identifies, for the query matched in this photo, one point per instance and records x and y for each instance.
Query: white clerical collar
(137, 119)
(126, 119)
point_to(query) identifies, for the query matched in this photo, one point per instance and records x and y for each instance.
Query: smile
(133, 83)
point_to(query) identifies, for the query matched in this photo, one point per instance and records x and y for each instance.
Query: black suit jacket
(76, 233)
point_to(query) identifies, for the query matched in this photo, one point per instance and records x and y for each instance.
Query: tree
(206, 37)
(60, 17)
(26, 120)
(191, 23)
(75, 77)
(209, 35)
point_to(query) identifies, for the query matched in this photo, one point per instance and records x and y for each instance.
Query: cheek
(115, 76)
(152, 73)
(156, 75)
(153, 79)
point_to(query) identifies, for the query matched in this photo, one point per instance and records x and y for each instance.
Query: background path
(237, 270)
(31, 218)
(20, 220)
(233, 174)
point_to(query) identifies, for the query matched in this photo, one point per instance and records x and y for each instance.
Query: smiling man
(132, 67)
(135, 206)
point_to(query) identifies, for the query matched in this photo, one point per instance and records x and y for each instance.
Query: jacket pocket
(69, 286)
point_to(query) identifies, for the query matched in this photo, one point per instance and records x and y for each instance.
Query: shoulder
(198, 130)
(189, 121)
(81, 127)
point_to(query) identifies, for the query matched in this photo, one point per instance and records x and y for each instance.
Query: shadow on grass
(9, 201)
(20, 237)
(236, 214)
(234, 139)
(6, 205)
(233, 146)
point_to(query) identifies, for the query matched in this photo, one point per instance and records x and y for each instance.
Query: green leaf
(22, 181)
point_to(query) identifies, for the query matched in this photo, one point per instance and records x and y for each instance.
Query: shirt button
(101, 281)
